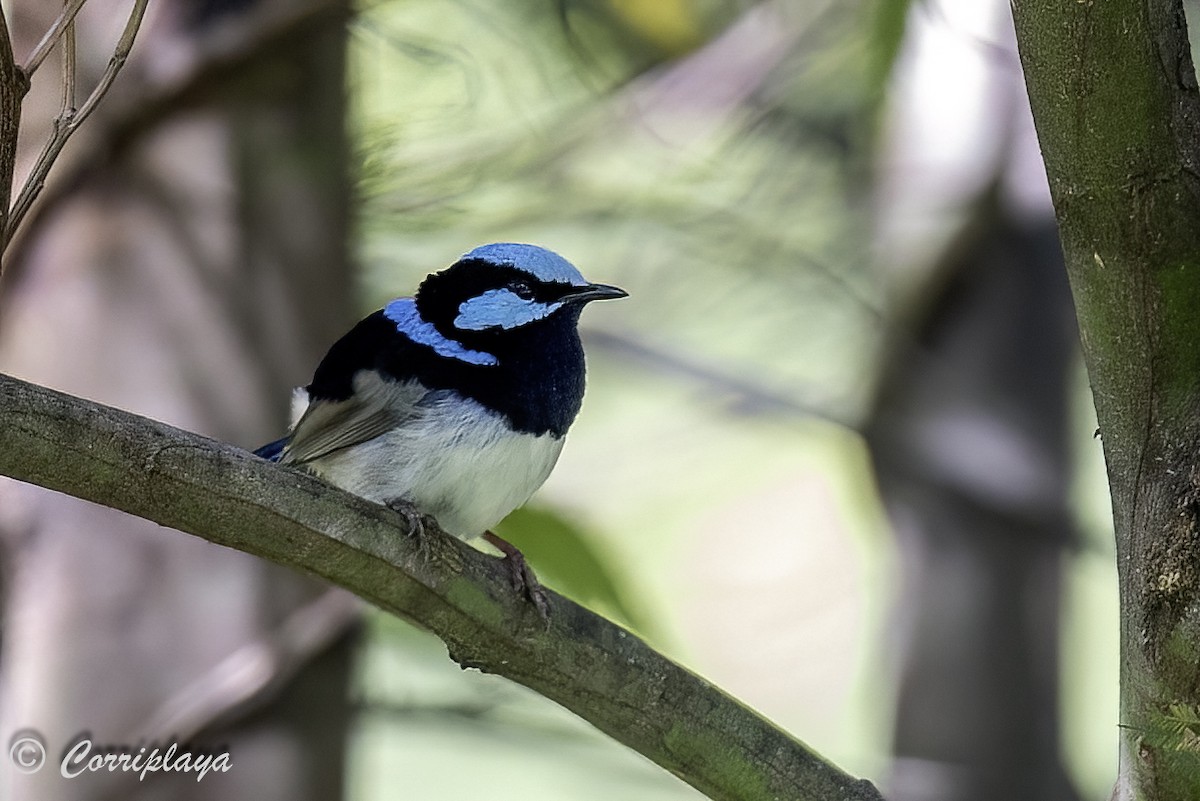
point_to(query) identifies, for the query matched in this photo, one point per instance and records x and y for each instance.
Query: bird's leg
(523, 579)
(418, 523)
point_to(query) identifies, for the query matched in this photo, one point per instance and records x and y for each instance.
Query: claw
(418, 522)
(521, 575)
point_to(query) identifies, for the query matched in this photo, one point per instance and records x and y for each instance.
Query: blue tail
(272, 450)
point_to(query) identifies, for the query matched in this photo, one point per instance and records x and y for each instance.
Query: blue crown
(542, 264)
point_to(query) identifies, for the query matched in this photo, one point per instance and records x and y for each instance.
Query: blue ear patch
(500, 308)
(403, 312)
(544, 265)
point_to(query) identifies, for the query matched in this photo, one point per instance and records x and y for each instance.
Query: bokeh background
(837, 450)
(724, 163)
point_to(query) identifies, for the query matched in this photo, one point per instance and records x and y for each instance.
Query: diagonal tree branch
(584, 662)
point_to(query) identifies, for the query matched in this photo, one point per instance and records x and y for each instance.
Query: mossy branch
(1115, 101)
(586, 663)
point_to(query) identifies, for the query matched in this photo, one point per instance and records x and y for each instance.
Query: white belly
(456, 461)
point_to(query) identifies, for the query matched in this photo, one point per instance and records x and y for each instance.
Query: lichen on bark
(1115, 103)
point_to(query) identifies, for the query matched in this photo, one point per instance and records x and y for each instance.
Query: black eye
(522, 289)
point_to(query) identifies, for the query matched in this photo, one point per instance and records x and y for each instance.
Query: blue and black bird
(454, 403)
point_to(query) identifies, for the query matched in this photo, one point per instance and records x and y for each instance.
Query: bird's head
(506, 287)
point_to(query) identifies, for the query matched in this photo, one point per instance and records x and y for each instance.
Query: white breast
(455, 460)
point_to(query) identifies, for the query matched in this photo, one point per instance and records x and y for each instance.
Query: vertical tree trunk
(189, 264)
(10, 121)
(1114, 97)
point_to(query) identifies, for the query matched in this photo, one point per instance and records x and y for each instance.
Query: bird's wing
(377, 406)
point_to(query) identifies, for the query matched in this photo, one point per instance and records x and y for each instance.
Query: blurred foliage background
(715, 160)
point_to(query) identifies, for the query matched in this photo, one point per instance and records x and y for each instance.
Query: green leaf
(889, 19)
(565, 557)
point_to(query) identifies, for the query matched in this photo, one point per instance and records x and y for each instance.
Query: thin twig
(67, 122)
(37, 176)
(124, 45)
(262, 35)
(67, 107)
(56, 32)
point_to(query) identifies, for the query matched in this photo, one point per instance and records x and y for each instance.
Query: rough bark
(1115, 101)
(582, 661)
(12, 89)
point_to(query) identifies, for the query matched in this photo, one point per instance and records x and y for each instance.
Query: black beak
(590, 292)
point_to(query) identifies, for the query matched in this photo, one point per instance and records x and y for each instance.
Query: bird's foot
(418, 523)
(521, 575)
